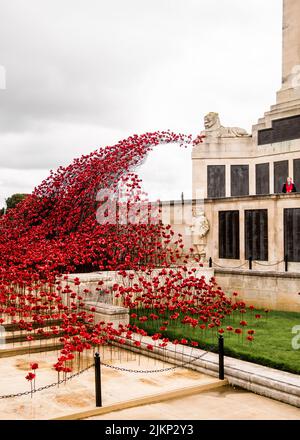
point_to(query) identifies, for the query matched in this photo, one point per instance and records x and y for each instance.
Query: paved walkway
(78, 394)
(226, 403)
(265, 381)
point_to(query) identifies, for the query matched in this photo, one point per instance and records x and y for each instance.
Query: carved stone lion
(213, 128)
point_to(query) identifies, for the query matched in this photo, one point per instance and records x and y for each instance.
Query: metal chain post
(286, 263)
(98, 380)
(250, 263)
(221, 357)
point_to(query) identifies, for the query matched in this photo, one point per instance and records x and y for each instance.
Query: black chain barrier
(45, 387)
(66, 379)
(244, 264)
(25, 393)
(161, 370)
(267, 265)
(226, 267)
(129, 370)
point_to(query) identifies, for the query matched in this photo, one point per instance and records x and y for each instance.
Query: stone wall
(92, 293)
(239, 151)
(273, 290)
(275, 204)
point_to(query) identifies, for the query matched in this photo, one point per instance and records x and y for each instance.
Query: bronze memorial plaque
(285, 129)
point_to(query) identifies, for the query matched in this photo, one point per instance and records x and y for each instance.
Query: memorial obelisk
(290, 52)
(288, 97)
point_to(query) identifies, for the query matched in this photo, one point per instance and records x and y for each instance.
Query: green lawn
(272, 345)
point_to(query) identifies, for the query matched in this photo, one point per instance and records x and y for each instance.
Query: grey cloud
(81, 74)
(75, 61)
(50, 145)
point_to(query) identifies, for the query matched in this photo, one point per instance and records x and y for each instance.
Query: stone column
(291, 40)
(290, 51)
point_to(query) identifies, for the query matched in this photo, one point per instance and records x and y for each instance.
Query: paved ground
(79, 393)
(221, 404)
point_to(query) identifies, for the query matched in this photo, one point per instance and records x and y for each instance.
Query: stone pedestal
(109, 313)
(89, 284)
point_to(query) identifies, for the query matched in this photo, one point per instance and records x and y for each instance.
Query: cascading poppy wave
(55, 231)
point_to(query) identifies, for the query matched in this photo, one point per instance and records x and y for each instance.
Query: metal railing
(249, 263)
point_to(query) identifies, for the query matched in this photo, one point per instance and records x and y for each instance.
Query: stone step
(22, 337)
(10, 327)
(12, 350)
(268, 382)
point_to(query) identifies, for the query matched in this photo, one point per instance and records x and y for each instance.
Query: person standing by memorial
(289, 186)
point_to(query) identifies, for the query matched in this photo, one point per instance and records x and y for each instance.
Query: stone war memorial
(116, 308)
(242, 176)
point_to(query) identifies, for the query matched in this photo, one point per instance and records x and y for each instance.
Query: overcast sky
(87, 73)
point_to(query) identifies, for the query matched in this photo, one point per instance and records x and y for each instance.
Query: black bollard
(98, 380)
(210, 262)
(250, 263)
(221, 357)
(286, 263)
